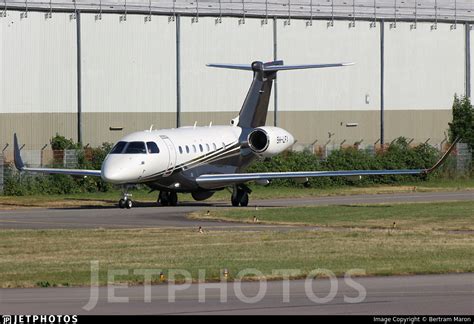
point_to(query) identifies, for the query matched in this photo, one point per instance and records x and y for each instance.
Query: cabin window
(194, 148)
(200, 148)
(118, 148)
(152, 148)
(214, 145)
(207, 147)
(135, 148)
(187, 149)
(223, 145)
(180, 150)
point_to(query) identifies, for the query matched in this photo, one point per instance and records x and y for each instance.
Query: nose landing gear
(125, 201)
(167, 198)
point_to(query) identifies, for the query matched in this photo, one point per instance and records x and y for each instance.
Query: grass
(62, 257)
(408, 216)
(259, 192)
(424, 241)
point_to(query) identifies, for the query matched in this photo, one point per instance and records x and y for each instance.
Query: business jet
(203, 160)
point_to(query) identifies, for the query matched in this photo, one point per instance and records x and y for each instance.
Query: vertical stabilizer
(255, 107)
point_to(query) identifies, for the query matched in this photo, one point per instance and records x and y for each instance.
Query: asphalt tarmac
(425, 294)
(149, 215)
(432, 295)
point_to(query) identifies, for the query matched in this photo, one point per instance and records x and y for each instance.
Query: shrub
(462, 125)
(92, 158)
(398, 156)
(16, 184)
(61, 143)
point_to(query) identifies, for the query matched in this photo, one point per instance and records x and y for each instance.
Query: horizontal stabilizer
(246, 67)
(275, 66)
(302, 67)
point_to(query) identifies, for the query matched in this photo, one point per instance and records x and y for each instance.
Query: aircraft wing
(74, 172)
(210, 181)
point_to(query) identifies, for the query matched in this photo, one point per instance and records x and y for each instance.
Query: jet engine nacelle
(267, 141)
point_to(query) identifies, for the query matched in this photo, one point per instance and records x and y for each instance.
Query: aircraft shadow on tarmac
(144, 204)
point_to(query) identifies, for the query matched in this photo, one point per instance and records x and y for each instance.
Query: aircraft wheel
(235, 199)
(121, 203)
(244, 201)
(239, 197)
(173, 198)
(164, 198)
(234, 202)
(128, 204)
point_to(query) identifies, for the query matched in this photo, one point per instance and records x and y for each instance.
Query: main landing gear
(167, 198)
(240, 195)
(126, 200)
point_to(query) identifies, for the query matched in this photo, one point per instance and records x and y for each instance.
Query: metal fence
(463, 158)
(45, 158)
(70, 158)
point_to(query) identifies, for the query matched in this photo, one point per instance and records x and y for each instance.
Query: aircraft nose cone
(121, 170)
(112, 172)
(110, 175)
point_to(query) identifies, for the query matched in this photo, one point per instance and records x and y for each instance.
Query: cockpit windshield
(129, 148)
(135, 148)
(118, 148)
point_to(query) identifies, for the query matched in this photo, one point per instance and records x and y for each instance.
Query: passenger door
(172, 155)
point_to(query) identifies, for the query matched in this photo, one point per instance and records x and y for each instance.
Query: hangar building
(95, 71)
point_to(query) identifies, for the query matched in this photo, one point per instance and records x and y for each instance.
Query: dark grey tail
(255, 108)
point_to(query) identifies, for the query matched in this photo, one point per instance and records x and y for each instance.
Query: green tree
(59, 143)
(462, 125)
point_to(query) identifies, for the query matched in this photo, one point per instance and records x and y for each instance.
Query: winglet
(17, 156)
(443, 158)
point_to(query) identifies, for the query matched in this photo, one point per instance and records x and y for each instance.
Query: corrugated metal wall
(316, 105)
(207, 89)
(424, 67)
(332, 89)
(129, 76)
(38, 77)
(128, 66)
(206, 42)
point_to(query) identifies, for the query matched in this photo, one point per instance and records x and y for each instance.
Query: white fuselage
(178, 147)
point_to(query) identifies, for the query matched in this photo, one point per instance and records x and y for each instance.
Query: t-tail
(255, 107)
